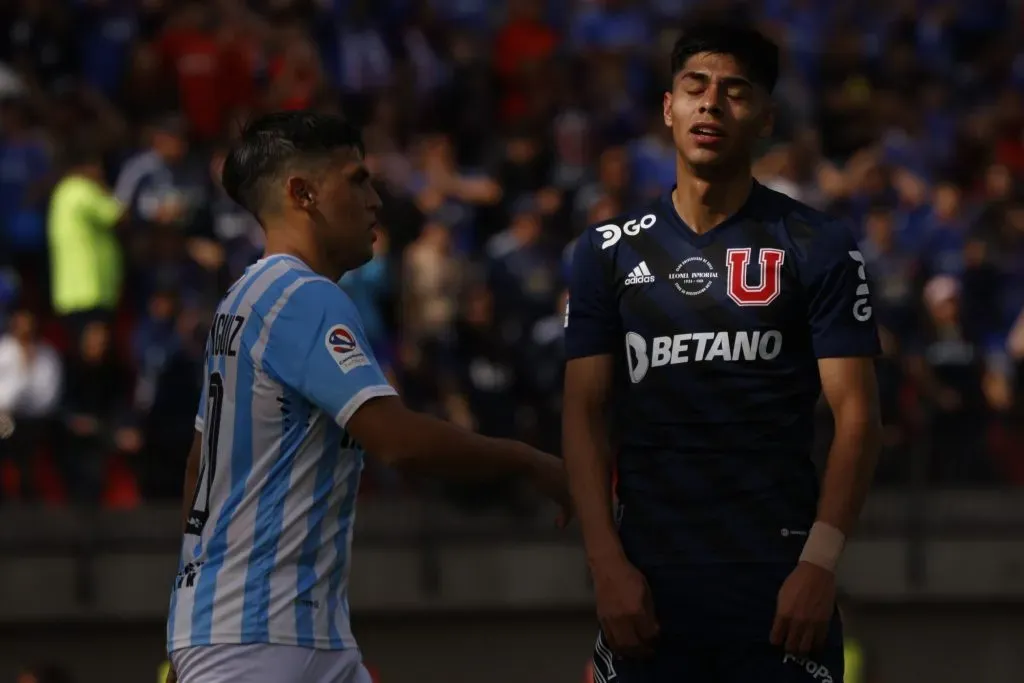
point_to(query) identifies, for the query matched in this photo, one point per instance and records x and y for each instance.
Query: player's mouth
(707, 133)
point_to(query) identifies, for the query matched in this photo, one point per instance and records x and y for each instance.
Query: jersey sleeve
(840, 312)
(317, 346)
(591, 316)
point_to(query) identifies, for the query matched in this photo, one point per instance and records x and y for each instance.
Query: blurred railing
(916, 541)
(915, 544)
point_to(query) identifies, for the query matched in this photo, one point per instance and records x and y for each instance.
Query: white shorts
(263, 663)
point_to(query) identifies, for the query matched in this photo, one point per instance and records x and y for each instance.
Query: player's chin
(367, 254)
(702, 158)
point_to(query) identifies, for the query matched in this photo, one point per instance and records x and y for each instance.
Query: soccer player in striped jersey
(707, 324)
(292, 399)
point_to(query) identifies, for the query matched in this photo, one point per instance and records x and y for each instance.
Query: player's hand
(625, 608)
(804, 610)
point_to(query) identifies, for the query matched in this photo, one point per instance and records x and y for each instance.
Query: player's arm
(624, 605)
(416, 442)
(851, 390)
(807, 597)
(591, 338)
(587, 454)
(846, 342)
(317, 346)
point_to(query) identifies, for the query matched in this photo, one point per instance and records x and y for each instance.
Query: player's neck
(281, 242)
(703, 204)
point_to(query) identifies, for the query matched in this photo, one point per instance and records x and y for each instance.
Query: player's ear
(666, 108)
(301, 193)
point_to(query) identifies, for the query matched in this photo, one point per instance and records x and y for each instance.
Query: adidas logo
(639, 275)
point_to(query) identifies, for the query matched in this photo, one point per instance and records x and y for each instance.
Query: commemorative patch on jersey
(342, 345)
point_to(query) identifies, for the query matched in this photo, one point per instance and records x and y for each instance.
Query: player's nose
(710, 107)
(373, 200)
(710, 101)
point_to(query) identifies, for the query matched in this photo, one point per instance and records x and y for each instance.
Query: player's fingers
(780, 629)
(807, 638)
(640, 645)
(795, 637)
(627, 641)
(649, 613)
(821, 635)
(613, 636)
(646, 625)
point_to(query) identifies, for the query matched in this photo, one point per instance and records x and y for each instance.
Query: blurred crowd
(497, 131)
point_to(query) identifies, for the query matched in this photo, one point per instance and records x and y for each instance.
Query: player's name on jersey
(224, 334)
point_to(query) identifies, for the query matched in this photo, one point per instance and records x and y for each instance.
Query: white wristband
(824, 546)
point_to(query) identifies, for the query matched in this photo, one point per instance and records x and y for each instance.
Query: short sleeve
(317, 347)
(840, 312)
(591, 317)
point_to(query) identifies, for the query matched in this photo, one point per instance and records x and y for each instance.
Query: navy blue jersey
(716, 338)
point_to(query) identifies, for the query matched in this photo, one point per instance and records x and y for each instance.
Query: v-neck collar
(704, 239)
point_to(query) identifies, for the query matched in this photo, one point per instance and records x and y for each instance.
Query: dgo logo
(862, 306)
(612, 233)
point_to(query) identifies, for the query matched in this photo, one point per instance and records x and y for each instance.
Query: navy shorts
(715, 628)
(737, 663)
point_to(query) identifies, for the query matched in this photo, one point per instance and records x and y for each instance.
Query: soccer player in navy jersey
(701, 330)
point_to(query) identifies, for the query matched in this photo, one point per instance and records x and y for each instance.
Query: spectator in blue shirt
(523, 269)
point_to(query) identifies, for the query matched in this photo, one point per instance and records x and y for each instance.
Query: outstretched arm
(415, 442)
(317, 346)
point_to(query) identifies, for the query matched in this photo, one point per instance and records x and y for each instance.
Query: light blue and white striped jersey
(267, 549)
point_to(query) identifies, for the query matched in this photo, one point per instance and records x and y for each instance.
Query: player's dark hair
(756, 54)
(271, 144)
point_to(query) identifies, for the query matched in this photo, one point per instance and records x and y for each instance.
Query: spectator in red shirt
(206, 70)
(522, 46)
(295, 75)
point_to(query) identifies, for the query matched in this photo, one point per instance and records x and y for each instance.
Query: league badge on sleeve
(344, 348)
